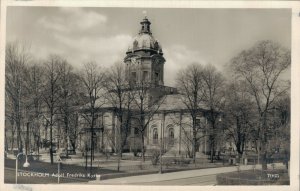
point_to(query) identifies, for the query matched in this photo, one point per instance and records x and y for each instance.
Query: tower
(144, 59)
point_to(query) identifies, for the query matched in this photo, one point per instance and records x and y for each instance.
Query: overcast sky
(186, 35)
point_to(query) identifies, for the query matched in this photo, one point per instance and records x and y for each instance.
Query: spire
(145, 24)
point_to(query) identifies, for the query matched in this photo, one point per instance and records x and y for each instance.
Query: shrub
(155, 154)
(182, 161)
(168, 163)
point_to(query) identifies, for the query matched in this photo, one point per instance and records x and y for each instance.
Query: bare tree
(34, 84)
(187, 138)
(214, 100)
(190, 85)
(261, 67)
(74, 131)
(279, 128)
(69, 99)
(144, 108)
(17, 57)
(51, 94)
(239, 119)
(92, 79)
(120, 96)
(10, 127)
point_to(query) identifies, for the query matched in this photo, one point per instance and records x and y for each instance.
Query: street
(204, 180)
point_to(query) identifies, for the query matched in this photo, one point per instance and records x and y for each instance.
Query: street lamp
(17, 166)
(25, 165)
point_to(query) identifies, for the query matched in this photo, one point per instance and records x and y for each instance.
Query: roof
(175, 102)
(145, 40)
(101, 102)
(172, 102)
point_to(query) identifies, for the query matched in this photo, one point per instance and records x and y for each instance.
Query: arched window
(133, 77)
(155, 136)
(171, 136)
(135, 44)
(145, 76)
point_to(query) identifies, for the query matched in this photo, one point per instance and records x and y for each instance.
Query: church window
(133, 77)
(171, 136)
(155, 136)
(156, 46)
(144, 44)
(156, 77)
(105, 119)
(145, 75)
(135, 44)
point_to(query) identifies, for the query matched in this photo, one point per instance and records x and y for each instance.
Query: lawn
(254, 177)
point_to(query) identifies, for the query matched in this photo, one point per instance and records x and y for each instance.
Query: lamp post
(26, 164)
(58, 169)
(17, 166)
(17, 159)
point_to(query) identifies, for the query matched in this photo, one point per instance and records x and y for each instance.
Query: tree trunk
(12, 140)
(12, 144)
(51, 144)
(92, 151)
(194, 138)
(263, 156)
(143, 148)
(119, 159)
(239, 158)
(264, 143)
(19, 139)
(194, 148)
(66, 137)
(212, 150)
(38, 146)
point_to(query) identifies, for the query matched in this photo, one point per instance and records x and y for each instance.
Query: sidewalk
(177, 175)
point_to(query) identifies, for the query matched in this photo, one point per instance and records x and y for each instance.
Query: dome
(145, 41)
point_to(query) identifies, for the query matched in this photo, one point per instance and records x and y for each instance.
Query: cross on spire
(145, 13)
(145, 24)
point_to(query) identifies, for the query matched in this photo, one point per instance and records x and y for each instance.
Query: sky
(103, 35)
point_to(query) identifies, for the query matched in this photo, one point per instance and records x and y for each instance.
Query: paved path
(178, 178)
(206, 180)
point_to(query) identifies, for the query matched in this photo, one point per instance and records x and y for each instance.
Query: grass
(254, 177)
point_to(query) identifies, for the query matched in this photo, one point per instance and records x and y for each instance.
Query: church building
(170, 126)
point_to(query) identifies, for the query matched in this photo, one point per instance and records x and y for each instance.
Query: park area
(76, 169)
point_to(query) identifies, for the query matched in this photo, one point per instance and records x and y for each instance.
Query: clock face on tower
(134, 62)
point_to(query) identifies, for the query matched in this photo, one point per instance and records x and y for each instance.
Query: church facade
(170, 127)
